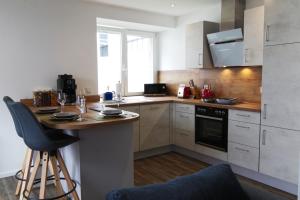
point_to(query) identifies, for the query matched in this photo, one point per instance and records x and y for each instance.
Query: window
(126, 56)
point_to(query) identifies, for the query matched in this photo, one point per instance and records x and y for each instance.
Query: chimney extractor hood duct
(232, 14)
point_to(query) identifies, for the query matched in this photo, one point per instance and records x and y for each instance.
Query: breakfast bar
(103, 158)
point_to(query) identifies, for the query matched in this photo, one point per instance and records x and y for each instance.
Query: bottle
(118, 91)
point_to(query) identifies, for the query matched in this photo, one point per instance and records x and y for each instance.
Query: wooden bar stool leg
(26, 172)
(45, 163)
(66, 175)
(54, 166)
(51, 169)
(33, 174)
(19, 184)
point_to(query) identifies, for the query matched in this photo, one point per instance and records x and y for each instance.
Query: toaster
(183, 91)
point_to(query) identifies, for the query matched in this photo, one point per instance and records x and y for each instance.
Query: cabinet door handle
(264, 134)
(246, 127)
(199, 59)
(267, 33)
(240, 149)
(265, 111)
(241, 115)
(246, 55)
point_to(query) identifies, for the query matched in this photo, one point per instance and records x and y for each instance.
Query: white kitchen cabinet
(279, 153)
(154, 126)
(243, 133)
(280, 86)
(197, 48)
(282, 22)
(184, 127)
(243, 156)
(253, 36)
(136, 127)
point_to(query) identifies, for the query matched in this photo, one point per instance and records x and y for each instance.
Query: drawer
(245, 116)
(185, 122)
(179, 107)
(184, 139)
(243, 156)
(243, 133)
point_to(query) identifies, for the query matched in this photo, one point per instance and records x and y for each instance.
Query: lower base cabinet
(279, 153)
(154, 126)
(243, 156)
(136, 127)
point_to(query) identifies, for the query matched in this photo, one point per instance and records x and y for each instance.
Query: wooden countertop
(136, 100)
(91, 119)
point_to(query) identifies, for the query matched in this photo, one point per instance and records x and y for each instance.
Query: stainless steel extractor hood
(227, 46)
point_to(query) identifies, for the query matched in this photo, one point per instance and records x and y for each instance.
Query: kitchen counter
(136, 100)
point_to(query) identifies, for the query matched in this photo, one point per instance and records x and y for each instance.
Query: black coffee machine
(67, 85)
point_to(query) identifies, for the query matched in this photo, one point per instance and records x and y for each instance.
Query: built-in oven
(211, 127)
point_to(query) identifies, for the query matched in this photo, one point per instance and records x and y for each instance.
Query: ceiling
(182, 7)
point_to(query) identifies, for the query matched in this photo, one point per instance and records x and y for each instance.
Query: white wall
(40, 39)
(172, 42)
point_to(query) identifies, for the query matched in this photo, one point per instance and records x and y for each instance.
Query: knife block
(195, 93)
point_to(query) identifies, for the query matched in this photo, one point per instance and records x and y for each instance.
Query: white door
(282, 21)
(254, 36)
(279, 153)
(281, 86)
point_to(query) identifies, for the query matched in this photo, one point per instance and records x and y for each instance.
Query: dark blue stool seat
(47, 143)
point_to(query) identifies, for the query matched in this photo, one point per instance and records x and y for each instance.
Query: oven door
(211, 132)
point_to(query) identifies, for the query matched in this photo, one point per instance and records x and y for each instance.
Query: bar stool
(22, 175)
(47, 144)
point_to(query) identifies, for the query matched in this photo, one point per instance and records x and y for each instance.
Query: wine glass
(81, 106)
(61, 99)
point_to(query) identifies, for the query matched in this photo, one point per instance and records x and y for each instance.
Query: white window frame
(124, 67)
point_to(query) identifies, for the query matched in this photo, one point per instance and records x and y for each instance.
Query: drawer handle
(246, 127)
(184, 134)
(243, 115)
(240, 149)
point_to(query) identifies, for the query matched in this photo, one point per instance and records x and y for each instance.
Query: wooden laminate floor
(156, 169)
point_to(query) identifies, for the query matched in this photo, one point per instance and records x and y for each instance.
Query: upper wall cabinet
(282, 22)
(197, 48)
(254, 36)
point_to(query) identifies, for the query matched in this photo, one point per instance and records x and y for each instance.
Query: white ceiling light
(173, 4)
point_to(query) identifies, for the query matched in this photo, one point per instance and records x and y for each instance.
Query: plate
(64, 118)
(112, 112)
(65, 115)
(47, 109)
